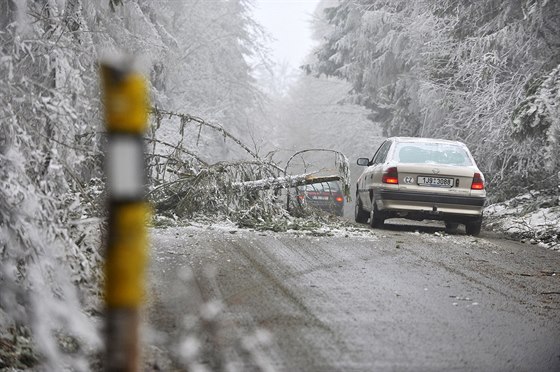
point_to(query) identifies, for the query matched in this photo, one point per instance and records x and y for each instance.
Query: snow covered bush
(533, 216)
(47, 250)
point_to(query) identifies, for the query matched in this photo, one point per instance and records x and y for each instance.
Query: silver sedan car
(421, 178)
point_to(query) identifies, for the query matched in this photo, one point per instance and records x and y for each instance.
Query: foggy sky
(289, 23)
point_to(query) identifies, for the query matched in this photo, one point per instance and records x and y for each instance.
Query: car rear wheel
(473, 228)
(451, 226)
(360, 216)
(375, 219)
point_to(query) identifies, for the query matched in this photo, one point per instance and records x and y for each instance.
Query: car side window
(376, 155)
(381, 154)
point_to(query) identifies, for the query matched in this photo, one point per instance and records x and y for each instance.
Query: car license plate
(435, 181)
(320, 197)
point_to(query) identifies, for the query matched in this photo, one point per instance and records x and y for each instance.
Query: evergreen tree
(457, 70)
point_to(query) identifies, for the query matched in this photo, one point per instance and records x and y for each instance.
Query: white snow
(532, 217)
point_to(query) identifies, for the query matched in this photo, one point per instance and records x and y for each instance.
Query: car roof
(424, 140)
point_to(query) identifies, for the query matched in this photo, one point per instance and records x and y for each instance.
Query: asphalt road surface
(397, 299)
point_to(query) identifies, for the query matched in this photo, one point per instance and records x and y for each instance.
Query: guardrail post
(126, 117)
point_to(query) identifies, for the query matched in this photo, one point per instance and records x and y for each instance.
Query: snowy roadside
(322, 225)
(533, 217)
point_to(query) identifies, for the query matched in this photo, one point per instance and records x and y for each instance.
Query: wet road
(399, 299)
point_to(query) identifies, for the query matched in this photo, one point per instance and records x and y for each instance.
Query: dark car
(326, 196)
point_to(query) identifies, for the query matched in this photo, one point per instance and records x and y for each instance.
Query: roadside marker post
(126, 116)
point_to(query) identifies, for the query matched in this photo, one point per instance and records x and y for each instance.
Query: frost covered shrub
(212, 191)
(49, 255)
(41, 265)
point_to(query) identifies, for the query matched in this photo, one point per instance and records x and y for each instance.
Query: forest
(484, 72)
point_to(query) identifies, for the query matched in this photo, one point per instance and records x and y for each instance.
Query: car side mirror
(364, 162)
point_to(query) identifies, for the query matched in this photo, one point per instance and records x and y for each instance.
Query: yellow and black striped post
(126, 115)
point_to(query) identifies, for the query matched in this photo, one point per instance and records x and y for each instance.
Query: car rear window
(431, 153)
(324, 186)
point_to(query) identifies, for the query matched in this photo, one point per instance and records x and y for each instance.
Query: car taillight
(339, 199)
(477, 182)
(390, 176)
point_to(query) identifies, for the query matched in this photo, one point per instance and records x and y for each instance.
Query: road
(397, 299)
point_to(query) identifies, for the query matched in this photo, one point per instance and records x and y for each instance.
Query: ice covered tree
(451, 69)
(46, 105)
(208, 71)
(539, 116)
(315, 113)
(51, 133)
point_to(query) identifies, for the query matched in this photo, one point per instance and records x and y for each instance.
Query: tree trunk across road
(364, 300)
(284, 182)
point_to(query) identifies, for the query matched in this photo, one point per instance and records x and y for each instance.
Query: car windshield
(431, 153)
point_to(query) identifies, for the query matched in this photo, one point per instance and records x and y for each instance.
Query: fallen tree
(185, 185)
(276, 183)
